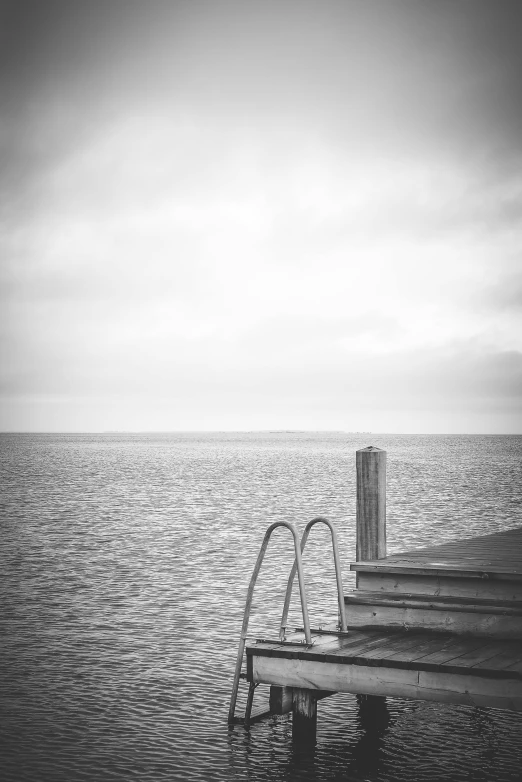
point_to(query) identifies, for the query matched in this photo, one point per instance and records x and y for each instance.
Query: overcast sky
(261, 215)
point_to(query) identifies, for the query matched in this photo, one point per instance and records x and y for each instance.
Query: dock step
(482, 570)
(438, 603)
(388, 580)
(484, 617)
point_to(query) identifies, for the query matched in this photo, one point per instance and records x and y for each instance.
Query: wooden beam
(281, 698)
(440, 585)
(471, 690)
(304, 716)
(485, 624)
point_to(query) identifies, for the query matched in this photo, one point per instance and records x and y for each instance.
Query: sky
(261, 215)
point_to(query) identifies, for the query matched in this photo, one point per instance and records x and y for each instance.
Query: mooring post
(371, 504)
(371, 538)
(304, 716)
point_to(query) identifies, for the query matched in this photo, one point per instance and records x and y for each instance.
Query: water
(125, 562)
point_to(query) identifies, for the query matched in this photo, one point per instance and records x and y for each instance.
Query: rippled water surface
(125, 561)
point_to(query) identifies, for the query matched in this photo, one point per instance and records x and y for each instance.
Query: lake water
(125, 561)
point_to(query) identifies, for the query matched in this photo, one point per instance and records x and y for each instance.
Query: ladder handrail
(298, 565)
(338, 576)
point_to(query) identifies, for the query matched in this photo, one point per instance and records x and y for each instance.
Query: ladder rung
(320, 631)
(282, 643)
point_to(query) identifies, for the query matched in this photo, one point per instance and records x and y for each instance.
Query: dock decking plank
(360, 641)
(450, 649)
(498, 554)
(441, 569)
(401, 643)
(502, 660)
(426, 645)
(478, 656)
(429, 644)
(365, 646)
(516, 667)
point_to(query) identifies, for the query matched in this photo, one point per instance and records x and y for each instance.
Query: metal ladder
(297, 567)
(246, 616)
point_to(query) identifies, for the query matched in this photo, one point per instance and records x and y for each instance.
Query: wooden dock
(441, 623)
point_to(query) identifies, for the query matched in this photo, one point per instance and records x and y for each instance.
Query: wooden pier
(442, 623)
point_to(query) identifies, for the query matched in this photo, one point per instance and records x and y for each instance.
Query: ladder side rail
(338, 575)
(246, 615)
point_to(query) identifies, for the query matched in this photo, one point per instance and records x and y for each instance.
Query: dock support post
(304, 716)
(371, 504)
(280, 700)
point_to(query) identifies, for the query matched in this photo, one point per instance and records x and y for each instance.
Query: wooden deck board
(397, 645)
(498, 692)
(364, 646)
(493, 541)
(477, 656)
(492, 605)
(450, 650)
(425, 645)
(357, 645)
(501, 661)
(439, 569)
(499, 553)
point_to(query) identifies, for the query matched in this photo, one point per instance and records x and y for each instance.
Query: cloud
(261, 207)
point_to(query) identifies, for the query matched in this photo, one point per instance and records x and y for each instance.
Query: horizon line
(258, 431)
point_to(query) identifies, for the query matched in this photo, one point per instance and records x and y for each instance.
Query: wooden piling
(371, 525)
(371, 504)
(304, 716)
(280, 700)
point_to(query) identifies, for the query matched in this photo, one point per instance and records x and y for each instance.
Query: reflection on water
(125, 562)
(374, 721)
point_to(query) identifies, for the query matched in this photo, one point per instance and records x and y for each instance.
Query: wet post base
(304, 717)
